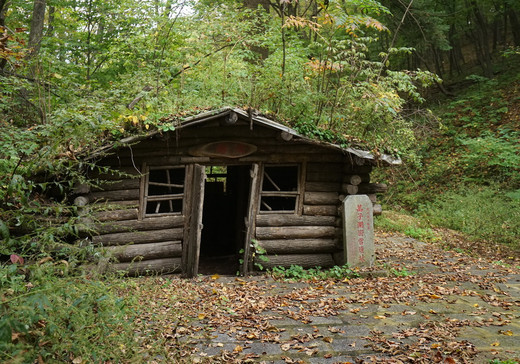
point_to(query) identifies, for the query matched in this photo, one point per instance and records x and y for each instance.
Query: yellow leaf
(57, 75)
(135, 119)
(496, 343)
(147, 126)
(435, 297)
(215, 276)
(202, 316)
(238, 349)
(507, 333)
(379, 317)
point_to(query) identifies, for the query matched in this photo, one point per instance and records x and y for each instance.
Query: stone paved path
(441, 307)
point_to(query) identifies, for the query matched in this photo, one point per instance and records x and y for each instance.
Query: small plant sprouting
(402, 272)
(297, 272)
(258, 255)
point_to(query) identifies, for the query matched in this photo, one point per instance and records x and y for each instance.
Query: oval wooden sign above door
(226, 149)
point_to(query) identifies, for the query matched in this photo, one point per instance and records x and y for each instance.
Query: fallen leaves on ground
(189, 317)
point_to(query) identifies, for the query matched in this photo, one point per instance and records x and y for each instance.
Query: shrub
(46, 317)
(482, 212)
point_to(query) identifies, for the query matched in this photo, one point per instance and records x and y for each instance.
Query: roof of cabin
(253, 118)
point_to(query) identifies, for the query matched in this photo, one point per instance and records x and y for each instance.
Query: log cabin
(205, 197)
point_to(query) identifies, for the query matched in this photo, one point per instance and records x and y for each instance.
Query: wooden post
(195, 226)
(250, 218)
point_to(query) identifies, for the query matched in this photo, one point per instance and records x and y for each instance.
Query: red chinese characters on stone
(361, 232)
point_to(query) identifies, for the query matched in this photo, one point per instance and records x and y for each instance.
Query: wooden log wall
(312, 237)
(153, 244)
(315, 237)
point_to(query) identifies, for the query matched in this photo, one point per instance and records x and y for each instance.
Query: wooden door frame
(193, 208)
(250, 218)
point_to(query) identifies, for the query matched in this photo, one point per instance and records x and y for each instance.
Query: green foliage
(492, 157)
(469, 209)
(500, 361)
(51, 315)
(401, 272)
(406, 224)
(297, 272)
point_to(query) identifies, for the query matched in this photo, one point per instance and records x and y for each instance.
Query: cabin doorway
(225, 207)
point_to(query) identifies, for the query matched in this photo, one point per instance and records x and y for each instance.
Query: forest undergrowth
(468, 175)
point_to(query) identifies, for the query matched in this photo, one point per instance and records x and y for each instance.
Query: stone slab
(358, 231)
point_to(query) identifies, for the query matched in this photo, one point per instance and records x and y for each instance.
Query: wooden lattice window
(164, 191)
(280, 189)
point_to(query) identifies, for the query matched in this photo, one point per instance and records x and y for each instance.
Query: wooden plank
(320, 210)
(324, 177)
(353, 169)
(145, 267)
(128, 253)
(300, 246)
(116, 215)
(186, 208)
(289, 157)
(305, 260)
(138, 237)
(365, 188)
(123, 184)
(116, 205)
(117, 172)
(322, 186)
(321, 198)
(294, 220)
(254, 190)
(195, 227)
(149, 223)
(117, 195)
(324, 167)
(295, 232)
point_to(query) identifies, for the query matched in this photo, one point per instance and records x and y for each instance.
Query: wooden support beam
(145, 267)
(366, 188)
(320, 210)
(321, 198)
(294, 220)
(128, 253)
(151, 223)
(299, 246)
(138, 237)
(295, 232)
(305, 260)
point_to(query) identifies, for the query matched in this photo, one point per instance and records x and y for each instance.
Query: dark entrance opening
(226, 199)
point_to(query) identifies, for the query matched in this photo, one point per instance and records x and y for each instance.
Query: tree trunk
(482, 40)
(50, 27)
(4, 5)
(37, 21)
(515, 26)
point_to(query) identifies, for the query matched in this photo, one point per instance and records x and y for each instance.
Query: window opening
(164, 190)
(280, 189)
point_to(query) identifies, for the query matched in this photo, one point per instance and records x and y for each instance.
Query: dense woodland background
(434, 82)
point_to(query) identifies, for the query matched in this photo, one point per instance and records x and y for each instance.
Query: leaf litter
(233, 315)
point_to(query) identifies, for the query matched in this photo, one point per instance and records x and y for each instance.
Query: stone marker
(358, 231)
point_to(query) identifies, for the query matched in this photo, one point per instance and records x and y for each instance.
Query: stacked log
(308, 241)
(153, 244)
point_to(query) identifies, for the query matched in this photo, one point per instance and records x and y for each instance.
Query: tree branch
(148, 88)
